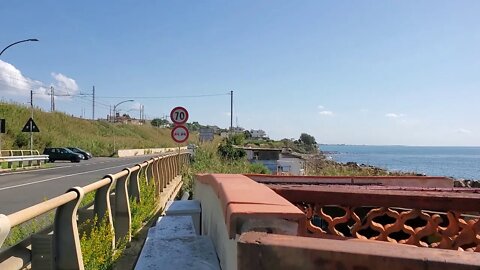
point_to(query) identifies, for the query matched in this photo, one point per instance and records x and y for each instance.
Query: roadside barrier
(10, 153)
(61, 249)
(31, 160)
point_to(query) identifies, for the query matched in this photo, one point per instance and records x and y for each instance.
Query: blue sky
(355, 72)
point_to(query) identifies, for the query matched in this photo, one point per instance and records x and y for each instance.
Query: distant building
(258, 134)
(206, 134)
(276, 160)
(238, 130)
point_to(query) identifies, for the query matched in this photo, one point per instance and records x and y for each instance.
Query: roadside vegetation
(219, 156)
(58, 129)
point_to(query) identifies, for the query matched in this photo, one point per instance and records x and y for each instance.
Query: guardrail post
(102, 208)
(176, 163)
(171, 169)
(156, 180)
(4, 228)
(173, 164)
(168, 170)
(149, 171)
(123, 222)
(163, 167)
(159, 176)
(68, 254)
(133, 185)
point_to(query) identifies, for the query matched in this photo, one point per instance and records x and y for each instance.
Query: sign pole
(179, 165)
(31, 123)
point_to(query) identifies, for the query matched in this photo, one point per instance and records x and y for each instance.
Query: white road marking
(59, 177)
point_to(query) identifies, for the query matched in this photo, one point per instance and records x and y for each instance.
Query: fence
(64, 244)
(446, 218)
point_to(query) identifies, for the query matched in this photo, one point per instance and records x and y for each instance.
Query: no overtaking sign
(180, 134)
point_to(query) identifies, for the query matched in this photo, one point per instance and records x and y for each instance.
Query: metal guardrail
(65, 240)
(29, 160)
(9, 153)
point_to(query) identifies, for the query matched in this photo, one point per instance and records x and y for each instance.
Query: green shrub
(209, 160)
(96, 245)
(144, 210)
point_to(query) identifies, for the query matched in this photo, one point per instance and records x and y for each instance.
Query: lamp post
(115, 120)
(31, 93)
(115, 109)
(25, 40)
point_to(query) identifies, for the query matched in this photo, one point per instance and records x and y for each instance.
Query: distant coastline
(459, 162)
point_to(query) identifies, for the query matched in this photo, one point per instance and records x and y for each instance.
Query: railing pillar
(102, 207)
(123, 220)
(149, 171)
(170, 169)
(176, 164)
(160, 176)
(67, 252)
(134, 185)
(5, 227)
(163, 166)
(155, 175)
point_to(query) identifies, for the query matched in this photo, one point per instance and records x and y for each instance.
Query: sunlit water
(458, 162)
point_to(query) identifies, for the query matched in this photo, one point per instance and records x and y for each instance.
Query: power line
(165, 97)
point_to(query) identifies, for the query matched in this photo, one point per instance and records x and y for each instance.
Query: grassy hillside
(59, 129)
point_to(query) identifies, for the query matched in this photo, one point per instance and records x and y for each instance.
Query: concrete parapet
(398, 181)
(233, 204)
(270, 251)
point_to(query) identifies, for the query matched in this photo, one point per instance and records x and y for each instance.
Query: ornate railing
(61, 250)
(446, 218)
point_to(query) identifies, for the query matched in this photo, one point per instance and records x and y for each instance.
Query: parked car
(86, 155)
(60, 153)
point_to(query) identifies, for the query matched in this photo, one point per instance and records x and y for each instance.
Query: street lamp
(26, 40)
(115, 120)
(115, 109)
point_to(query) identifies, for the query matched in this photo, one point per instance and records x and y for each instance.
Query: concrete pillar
(4, 228)
(68, 254)
(123, 218)
(102, 207)
(134, 185)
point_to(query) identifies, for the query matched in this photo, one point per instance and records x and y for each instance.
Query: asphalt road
(19, 190)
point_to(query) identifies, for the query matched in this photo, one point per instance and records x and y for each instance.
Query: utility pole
(93, 103)
(231, 111)
(31, 115)
(52, 99)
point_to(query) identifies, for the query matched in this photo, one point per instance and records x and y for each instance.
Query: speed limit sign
(179, 115)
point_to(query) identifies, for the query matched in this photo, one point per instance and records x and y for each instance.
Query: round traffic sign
(180, 134)
(179, 115)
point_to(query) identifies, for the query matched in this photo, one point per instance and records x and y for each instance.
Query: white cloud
(463, 131)
(394, 115)
(326, 113)
(321, 107)
(64, 84)
(12, 81)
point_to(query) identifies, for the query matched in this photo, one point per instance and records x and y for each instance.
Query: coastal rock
(459, 183)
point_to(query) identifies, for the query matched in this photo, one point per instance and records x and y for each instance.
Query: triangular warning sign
(30, 126)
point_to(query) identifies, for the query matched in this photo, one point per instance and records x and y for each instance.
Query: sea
(456, 162)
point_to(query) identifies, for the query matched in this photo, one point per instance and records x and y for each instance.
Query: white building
(258, 133)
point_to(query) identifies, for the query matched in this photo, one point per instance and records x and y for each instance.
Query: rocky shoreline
(319, 164)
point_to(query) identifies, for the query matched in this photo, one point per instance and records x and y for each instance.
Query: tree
(307, 139)
(157, 122)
